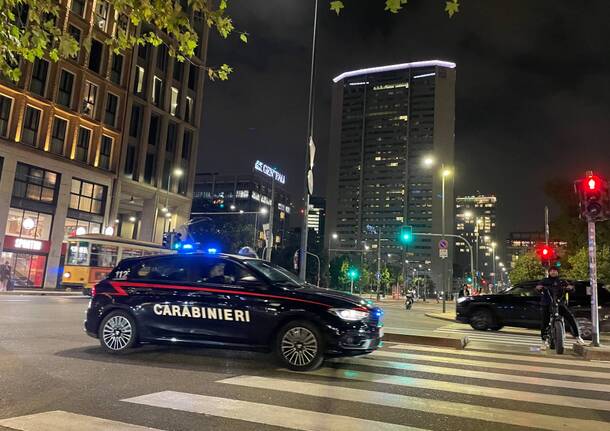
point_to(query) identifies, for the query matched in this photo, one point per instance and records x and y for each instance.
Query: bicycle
(555, 331)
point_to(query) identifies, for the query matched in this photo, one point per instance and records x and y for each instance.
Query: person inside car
(554, 282)
(217, 274)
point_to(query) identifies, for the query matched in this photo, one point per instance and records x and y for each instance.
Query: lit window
(101, 14)
(89, 99)
(173, 108)
(139, 79)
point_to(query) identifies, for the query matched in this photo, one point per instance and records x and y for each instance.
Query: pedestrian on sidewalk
(5, 276)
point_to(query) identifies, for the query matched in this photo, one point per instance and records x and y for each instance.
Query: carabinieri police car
(229, 301)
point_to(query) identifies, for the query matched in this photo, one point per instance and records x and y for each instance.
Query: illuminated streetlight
(335, 236)
(428, 161)
(178, 172)
(232, 207)
(264, 210)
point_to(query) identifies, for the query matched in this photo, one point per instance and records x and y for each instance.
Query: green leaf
(394, 5)
(452, 7)
(244, 37)
(336, 6)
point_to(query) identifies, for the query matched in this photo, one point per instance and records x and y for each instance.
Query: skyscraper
(385, 121)
(475, 220)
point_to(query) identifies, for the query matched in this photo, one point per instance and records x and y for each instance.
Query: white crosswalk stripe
(508, 356)
(262, 413)
(454, 384)
(469, 411)
(64, 421)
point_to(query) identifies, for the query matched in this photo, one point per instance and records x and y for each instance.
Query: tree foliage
(579, 264)
(224, 235)
(527, 268)
(28, 29)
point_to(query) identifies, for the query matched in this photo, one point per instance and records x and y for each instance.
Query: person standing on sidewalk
(5, 276)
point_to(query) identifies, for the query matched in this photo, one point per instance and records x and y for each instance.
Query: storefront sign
(16, 243)
(270, 172)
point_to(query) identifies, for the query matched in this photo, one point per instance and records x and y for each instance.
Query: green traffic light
(353, 274)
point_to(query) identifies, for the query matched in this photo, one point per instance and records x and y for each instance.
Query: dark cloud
(532, 88)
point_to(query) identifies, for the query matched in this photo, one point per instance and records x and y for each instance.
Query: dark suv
(520, 306)
(229, 301)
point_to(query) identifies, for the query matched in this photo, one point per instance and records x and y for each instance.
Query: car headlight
(67, 275)
(349, 314)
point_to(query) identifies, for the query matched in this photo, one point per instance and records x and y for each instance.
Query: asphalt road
(54, 377)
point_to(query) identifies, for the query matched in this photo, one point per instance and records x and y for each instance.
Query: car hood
(336, 296)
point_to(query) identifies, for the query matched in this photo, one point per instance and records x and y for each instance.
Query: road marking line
(496, 365)
(64, 421)
(485, 375)
(509, 356)
(266, 414)
(461, 388)
(449, 408)
(15, 300)
(495, 337)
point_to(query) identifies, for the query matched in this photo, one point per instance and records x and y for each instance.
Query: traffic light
(353, 274)
(546, 254)
(593, 196)
(166, 240)
(406, 235)
(469, 279)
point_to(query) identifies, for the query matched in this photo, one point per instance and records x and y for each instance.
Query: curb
(437, 316)
(592, 353)
(457, 342)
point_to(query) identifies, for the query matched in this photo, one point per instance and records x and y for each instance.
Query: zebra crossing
(531, 340)
(400, 387)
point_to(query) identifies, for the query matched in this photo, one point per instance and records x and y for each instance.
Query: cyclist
(553, 282)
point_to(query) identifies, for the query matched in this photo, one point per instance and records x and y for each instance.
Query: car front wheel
(117, 332)
(299, 346)
(482, 320)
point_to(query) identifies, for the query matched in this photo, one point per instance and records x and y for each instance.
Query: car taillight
(93, 290)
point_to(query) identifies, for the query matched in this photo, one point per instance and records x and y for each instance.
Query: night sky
(532, 96)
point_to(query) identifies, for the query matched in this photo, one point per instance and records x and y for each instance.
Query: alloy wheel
(299, 346)
(117, 332)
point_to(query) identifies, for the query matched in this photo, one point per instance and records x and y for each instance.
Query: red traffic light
(545, 252)
(592, 183)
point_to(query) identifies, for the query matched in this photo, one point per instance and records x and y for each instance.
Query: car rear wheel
(482, 320)
(299, 346)
(117, 332)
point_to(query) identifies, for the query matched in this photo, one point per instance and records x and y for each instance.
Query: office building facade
(316, 218)
(475, 220)
(63, 130)
(242, 197)
(385, 121)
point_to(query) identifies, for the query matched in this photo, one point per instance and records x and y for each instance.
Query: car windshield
(276, 274)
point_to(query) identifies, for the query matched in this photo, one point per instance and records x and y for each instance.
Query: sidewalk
(43, 292)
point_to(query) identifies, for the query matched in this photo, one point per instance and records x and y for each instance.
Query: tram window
(78, 253)
(131, 252)
(103, 255)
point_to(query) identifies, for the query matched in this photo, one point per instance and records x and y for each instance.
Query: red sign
(15, 243)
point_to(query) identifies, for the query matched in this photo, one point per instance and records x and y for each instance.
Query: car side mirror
(252, 282)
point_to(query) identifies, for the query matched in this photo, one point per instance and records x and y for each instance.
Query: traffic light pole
(593, 282)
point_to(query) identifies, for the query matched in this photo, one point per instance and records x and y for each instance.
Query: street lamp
(334, 236)
(445, 172)
(176, 173)
(493, 260)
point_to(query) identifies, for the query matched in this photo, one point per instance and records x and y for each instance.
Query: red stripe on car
(121, 292)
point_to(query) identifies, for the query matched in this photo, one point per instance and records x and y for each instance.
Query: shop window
(6, 104)
(95, 55)
(87, 197)
(29, 224)
(75, 227)
(66, 84)
(82, 144)
(112, 106)
(31, 121)
(78, 7)
(58, 135)
(40, 70)
(105, 152)
(89, 99)
(173, 106)
(35, 184)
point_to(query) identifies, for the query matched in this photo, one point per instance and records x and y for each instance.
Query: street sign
(443, 253)
(443, 244)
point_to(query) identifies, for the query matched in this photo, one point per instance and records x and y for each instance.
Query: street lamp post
(330, 238)
(177, 173)
(493, 265)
